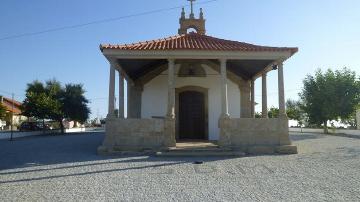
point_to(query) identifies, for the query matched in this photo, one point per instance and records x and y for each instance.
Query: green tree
(258, 115)
(273, 112)
(73, 98)
(36, 103)
(52, 101)
(55, 92)
(294, 111)
(351, 120)
(330, 95)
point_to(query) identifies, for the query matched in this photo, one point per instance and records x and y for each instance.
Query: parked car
(2, 124)
(34, 126)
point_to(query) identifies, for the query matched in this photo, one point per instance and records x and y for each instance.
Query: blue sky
(326, 32)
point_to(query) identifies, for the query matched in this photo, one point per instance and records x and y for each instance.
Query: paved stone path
(66, 168)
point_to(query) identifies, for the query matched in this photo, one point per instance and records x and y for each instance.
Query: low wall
(320, 130)
(135, 134)
(18, 134)
(245, 132)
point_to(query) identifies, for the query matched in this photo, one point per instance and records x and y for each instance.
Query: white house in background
(2, 124)
(194, 87)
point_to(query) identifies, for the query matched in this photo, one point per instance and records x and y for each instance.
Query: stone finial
(183, 13)
(201, 14)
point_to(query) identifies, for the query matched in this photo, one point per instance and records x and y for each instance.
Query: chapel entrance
(192, 116)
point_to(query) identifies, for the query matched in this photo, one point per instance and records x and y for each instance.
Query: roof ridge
(195, 41)
(174, 37)
(11, 100)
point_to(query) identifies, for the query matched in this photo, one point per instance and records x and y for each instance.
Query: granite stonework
(137, 135)
(253, 136)
(256, 136)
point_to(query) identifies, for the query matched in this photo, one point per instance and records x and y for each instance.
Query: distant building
(13, 106)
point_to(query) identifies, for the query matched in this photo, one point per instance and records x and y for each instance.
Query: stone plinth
(256, 136)
(136, 135)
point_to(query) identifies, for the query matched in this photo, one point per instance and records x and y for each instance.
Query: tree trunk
(326, 131)
(62, 127)
(43, 129)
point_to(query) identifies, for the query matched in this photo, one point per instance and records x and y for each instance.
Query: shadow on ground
(305, 136)
(346, 135)
(41, 154)
(49, 149)
(32, 152)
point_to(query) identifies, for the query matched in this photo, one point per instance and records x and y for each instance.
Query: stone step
(212, 148)
(190, 153)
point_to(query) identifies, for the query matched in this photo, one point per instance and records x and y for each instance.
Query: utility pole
(12, 116)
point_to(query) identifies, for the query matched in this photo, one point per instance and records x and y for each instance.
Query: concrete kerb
(18, 134)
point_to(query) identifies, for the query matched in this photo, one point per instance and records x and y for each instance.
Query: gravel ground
(66, 168)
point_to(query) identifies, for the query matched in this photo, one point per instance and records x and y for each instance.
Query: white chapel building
(194, 87)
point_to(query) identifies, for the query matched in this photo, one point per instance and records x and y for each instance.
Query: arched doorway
(192, 113)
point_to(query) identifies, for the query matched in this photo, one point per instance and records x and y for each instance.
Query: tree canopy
(73, 98)
(330, 95)
(294, 111)
(40, 101)
(52, 101)
(273, 112)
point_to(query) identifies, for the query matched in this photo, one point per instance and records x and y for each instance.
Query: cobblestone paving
(66, 168)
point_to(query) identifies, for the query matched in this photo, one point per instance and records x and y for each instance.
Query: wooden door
(191, 115)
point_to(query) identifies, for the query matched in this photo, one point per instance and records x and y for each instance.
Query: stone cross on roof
(198, 24)
(192, 8)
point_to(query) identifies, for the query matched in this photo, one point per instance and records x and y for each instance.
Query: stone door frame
(206, 105)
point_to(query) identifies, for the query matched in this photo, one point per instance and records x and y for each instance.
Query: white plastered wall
(154, 96)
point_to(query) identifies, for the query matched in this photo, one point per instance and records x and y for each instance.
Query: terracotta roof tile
(194, 41)
(7, 102)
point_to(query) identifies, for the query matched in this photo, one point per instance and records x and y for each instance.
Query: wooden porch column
(224, 96)
(282, 112)
(121, 94)
(252, 98)
(171, 90)
(111, 108)
(264, 96)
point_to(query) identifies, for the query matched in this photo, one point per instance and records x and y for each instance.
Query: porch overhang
(247, 65)
(196, 54)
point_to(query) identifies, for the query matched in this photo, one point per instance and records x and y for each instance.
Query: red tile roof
(7, 102)
(194, 41)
